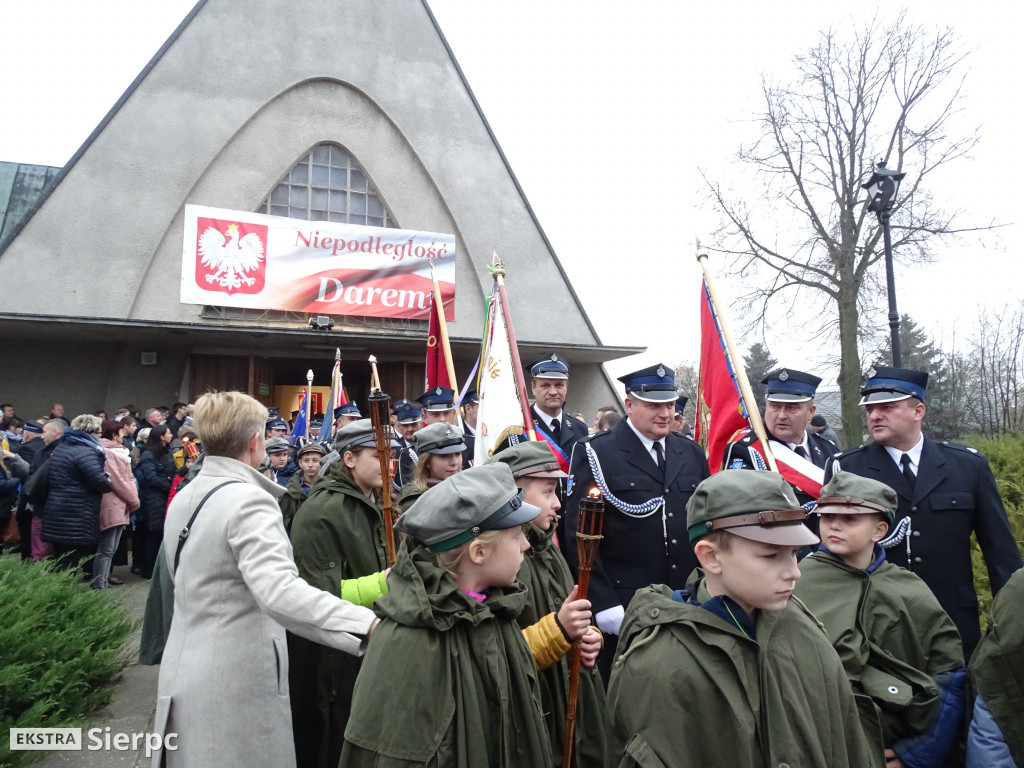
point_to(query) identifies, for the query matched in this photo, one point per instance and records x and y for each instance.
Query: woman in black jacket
(155, 474)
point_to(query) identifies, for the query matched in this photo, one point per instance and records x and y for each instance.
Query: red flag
(720, 411)
(437, 364)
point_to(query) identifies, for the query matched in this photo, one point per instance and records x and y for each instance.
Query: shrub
(1006, 456)
(60, 644)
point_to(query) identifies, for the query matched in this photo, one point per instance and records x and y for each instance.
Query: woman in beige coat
(115, 505)
(224, 677)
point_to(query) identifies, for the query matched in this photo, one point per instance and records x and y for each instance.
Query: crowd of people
(823, 614)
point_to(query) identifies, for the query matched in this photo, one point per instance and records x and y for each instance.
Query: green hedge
(1006, 456)
(60, 644)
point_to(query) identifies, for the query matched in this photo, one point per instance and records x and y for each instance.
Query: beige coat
(116, 504)
(224, 678)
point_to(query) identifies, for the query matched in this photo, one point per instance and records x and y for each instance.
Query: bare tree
(997, 360)
(886, 91)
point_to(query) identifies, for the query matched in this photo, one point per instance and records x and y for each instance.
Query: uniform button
(913, 509)
(917, 559)
(783, 765)
(655, 612)
(953, 503)
(632, 485)
(673, 567)
(666, 490)
(670, 514)
(330, 565)
(916, 533)
(673, 542)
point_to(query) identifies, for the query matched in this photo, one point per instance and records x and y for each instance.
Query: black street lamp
(882, 188)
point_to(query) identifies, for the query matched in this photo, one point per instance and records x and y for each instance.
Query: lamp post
(882, 188)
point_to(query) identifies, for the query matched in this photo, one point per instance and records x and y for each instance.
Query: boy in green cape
(731, 670)
(898, 646)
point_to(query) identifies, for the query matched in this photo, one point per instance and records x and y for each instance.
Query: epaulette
(959, 447)
(849, 451)
(589, 437)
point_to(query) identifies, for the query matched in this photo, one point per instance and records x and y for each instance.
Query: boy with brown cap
(898, 646)
(731, 670)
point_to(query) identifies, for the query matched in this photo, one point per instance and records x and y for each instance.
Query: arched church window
(328, 185)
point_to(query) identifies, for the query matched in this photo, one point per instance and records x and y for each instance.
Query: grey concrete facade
(236, 96)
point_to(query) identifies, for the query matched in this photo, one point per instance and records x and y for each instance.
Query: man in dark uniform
(409, 418)
(549, 385)
(470, 409)
(439, 405)
(946, 492)
(647, 473)
(788, 408)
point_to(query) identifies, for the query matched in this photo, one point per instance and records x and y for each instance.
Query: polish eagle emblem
(230, 258)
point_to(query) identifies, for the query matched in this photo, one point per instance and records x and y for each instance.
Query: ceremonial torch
(380, 416)
(588, 537)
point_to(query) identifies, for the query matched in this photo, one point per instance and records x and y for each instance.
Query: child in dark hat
(447, 679)
(553, 618)
(898, 646)
(731, 670)
(301, 483)
(439, 448)
(337, 535)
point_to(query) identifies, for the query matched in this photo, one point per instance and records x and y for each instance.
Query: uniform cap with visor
(358, 434)
(407, 412)
(348, 409)
(551, 366)
(759, 506)
(440, 438)
(850, 494)
(530, 459)
(277, 444)
(438, 399)
(887, 385)
(457, 510)
(785, 385)
(656, 384)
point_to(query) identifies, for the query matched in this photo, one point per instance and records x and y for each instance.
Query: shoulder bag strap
(183, 535)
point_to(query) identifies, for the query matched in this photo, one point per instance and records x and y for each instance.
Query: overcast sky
(605, 112)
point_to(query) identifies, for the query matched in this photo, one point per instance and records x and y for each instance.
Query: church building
(341, 113)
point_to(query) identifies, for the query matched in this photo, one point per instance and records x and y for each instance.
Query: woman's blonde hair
(226, 421)
(422, 471)
(449, 561)
(86, 422)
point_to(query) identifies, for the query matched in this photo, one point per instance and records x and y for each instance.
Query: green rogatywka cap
(850, 494)
(533, 458)
(760, 506)
(457, 510)
(440, 438)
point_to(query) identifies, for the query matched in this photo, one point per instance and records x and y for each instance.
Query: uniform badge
(437, 391)
(871, 372)
(736, 464)
(784, 375)
(554, 357)
(660, 371)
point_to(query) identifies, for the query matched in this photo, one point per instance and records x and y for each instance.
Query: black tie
(799, 451)
(908, 473)
(660, 454)
(556, 430)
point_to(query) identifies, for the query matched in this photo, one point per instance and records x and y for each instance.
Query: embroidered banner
(239, 259)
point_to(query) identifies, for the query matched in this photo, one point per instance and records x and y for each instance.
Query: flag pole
(309, 398)
(730, 349)
(443, 325)
(498, 270)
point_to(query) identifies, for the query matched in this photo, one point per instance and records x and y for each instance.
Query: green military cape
(689, 689)
(294, 497)
(446, 681)
(548, 581)
(339, 535)
(997, 668)
(892, 636)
